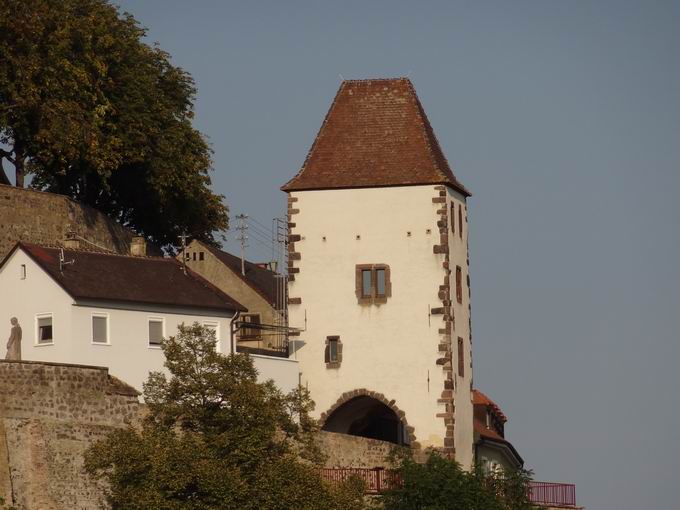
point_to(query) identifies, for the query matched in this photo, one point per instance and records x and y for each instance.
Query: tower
(378, 268)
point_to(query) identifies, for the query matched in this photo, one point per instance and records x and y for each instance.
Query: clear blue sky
(563, 118)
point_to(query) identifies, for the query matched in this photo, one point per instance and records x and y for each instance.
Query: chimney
(71, 241)
(138, 246)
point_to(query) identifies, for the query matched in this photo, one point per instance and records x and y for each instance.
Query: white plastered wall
(458, 256)
(128, 354)
(391, 348)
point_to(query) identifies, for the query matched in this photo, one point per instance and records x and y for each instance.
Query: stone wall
(45, 218)
(345, 451)
(49, 415)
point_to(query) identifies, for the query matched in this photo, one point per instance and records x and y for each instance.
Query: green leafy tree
(91, 111)
(216, 438)
(441, 484)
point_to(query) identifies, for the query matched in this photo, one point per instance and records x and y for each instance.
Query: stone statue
(14, 342)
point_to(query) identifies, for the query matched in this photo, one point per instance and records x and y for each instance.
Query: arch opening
(365, 416)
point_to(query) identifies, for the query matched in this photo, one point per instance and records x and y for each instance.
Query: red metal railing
(377, 480)
(549, 493)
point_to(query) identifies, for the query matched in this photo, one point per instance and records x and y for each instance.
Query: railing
(377, 480)
(549, 493)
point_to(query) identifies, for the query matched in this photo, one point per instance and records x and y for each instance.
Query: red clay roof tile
(375, 134)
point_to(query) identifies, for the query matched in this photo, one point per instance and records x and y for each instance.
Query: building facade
(109, 310)
(261, 330)
(378, 269)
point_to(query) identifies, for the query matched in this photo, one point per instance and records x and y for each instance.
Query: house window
(453, 218)
(460, 221)
(100, 329)
(156, 333)
(248, 331)
(333, 352)
(22, 272)
(459, 284)
(201, 255)
(461, 358)
(214, 327)
(373, 285)
(45, 332)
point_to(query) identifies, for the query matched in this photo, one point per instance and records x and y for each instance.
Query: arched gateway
(368, 414)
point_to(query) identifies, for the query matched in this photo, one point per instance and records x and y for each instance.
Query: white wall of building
(127, 354)
(390, 348)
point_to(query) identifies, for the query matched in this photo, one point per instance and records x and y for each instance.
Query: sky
(563, 119)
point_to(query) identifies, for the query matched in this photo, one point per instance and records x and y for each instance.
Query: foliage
(216, 438)
(93, 112)
(441, 484)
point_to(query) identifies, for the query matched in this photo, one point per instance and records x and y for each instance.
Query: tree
(91, 111)
(441, 484)
(216, 438)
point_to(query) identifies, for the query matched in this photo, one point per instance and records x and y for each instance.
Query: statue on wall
(14, 342)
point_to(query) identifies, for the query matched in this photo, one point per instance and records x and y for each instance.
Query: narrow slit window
(460, 221)
(22, 272)
(45, 330)
(453, 218)
(332, 351)
(155, 332)
(100, 327)
(366, 283)
(459, 284)
(461, 358)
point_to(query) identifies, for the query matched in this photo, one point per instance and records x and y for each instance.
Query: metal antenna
(62, 261)
(242, 238)
(183, 238)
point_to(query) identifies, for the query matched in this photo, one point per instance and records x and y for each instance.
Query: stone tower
(378, 267)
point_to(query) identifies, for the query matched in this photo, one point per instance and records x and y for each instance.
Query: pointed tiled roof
(375, 134)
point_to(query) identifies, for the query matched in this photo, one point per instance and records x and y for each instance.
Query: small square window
(100, 329)
(45, 331)
(155, 332)
(214, 327)
(373, 283)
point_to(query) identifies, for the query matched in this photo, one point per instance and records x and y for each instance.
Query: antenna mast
(242, 238)
(183, 238)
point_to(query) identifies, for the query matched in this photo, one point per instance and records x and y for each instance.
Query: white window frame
(43, 315)
(213, 324)
(154, 319)
(108, 327)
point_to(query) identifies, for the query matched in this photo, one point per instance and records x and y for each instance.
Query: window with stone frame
(373, 283)
(333, 352)
(459, 284)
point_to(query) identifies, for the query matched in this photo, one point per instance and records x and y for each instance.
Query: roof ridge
(95, 251)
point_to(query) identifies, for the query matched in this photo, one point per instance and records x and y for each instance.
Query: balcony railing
(379, 480)
(552, 494)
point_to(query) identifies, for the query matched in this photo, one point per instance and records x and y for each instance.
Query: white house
(378, 269)
(95, 308)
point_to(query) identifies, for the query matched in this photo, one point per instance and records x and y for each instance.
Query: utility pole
(183, 238)
(242, 238)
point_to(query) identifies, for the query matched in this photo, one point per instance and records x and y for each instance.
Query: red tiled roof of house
(375, 134)
(110, 277)
(479, 398)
